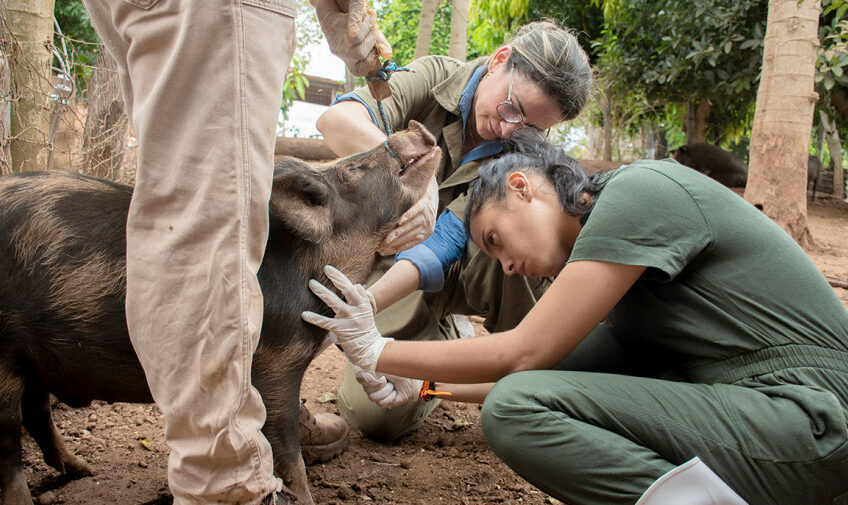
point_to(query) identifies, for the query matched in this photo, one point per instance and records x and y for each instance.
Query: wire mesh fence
(59, 112)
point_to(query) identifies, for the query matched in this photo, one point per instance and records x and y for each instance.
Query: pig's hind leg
(13, 484)
(278, 377)
(38, 420)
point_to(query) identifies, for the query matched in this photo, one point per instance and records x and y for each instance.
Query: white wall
(301, 122)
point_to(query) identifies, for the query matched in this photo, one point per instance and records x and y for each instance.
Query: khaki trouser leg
(202, 81)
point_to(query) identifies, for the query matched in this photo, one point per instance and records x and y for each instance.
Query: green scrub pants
(595, 437)
(475, 285)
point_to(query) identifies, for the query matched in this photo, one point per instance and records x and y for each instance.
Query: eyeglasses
(511, 114)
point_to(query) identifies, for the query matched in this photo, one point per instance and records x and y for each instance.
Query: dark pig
(715, 162)
(62, 289)
(814, 168)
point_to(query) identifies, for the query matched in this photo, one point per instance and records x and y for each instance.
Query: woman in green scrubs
(688, 352)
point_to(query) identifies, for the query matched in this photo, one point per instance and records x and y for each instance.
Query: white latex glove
(414, 225)
(389, 390)
(351, 30)
(353, 325)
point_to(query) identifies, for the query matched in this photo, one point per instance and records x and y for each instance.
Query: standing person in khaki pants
(202, 80)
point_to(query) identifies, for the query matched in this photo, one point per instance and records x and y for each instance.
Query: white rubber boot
(692, 483)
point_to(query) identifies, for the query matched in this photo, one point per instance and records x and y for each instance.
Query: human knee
(379, 424)
(504, 406)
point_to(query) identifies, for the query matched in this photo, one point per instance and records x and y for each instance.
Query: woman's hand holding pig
(353, 325)
(415, 225)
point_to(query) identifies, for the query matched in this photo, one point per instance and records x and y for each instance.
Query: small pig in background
(727, 169)
(715, 162)
(62, 290)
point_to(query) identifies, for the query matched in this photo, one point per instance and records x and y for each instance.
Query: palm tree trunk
(425, 27)
(5, 102)
(459, 30)
(783, 119)
(834, 145)
(31, 26)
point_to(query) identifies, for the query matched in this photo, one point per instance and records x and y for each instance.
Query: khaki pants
(202, 81)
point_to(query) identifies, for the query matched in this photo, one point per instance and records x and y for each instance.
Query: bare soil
(446, 461)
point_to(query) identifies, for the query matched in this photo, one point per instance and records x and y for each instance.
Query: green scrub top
(727, 294)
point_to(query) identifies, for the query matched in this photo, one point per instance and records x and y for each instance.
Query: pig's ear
(301, 199)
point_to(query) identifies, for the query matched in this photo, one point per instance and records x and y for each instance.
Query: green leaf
(749, 44)
(829, 82)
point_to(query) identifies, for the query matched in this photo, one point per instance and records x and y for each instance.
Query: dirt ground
(446, 461)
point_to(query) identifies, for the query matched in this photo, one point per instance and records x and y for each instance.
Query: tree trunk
(696, 121)
(31, 26)
(105, 132)
(606, 109)
(662, 143)
(783, 119)
(459, 30)
(5, 102)
(653, 141)
(305, 149)
(834, 145)
(425, 27)
(350, 81)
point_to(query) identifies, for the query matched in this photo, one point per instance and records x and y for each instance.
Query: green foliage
(494, 20)
(675, 52)
(398, 20)
(80, 40)
(294, 87)
(832, 61)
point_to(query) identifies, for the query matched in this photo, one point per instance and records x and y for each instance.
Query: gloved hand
(389, 390)
(353, 325)
(351, 30)
(414, 225)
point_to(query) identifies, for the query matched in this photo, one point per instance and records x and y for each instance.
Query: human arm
(347, 128)
(399, 281)
(577, 301)
(465, 393)
(389, 391)
(423, 266)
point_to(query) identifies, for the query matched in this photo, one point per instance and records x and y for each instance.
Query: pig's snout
(413, 145)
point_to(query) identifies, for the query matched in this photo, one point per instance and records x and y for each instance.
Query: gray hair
(551, 57)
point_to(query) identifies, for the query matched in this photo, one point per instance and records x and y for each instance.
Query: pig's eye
(348, 173)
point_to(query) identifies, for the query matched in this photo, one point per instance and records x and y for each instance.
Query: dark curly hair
(528, 154)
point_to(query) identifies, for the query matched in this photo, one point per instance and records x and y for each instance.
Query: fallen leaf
(326, 397)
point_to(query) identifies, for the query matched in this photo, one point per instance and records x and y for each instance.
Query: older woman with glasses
(536, 80)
